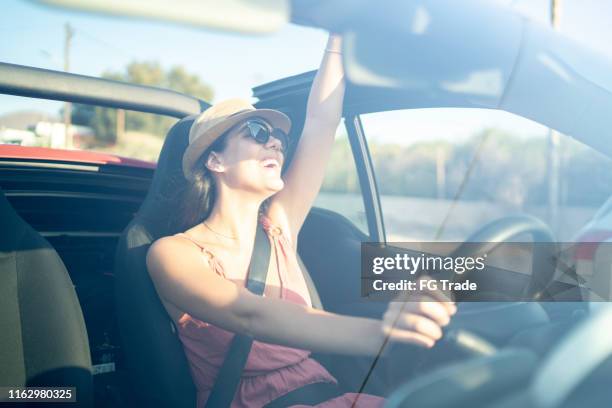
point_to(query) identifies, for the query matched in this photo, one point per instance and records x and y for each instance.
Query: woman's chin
(276, 185)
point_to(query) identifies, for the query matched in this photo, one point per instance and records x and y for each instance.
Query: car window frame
(366, 176)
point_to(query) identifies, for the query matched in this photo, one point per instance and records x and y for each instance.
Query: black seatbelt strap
(230, 373)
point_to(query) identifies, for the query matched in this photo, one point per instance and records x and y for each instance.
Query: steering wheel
(486, 316)
(495, 233)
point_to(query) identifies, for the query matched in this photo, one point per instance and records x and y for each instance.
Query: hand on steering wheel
(418, 318)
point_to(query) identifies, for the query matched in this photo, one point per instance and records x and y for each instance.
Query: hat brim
(195, 149)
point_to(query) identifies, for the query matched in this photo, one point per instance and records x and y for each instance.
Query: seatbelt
(230, 373)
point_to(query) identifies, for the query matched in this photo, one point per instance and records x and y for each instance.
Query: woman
(234, 158)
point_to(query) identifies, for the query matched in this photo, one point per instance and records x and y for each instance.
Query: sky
(33, 35)
(231, 63)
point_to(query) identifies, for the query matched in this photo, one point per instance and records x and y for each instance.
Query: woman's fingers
(432, 309)
(408, 336)
(419, 324)
(418, 317)
(440, 297)
(414, 322)
(444, 297)
(425, 306)
(411, 328)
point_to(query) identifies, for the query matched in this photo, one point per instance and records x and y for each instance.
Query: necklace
(218, 233)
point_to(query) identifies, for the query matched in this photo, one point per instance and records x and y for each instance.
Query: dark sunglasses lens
(259, 132)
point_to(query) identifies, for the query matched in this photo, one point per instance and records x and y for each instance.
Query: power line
(105, 44)
(553, 162)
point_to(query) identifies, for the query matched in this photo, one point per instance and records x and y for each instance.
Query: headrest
(168, 183)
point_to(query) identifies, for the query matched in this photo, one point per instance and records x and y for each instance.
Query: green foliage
(505, 168)
(150, 73)
(341, 175)
(182, 81)
(103, 121)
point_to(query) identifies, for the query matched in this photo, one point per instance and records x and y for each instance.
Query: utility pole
(555, 13)
(440, 173)
(120, 125)
(554, 156)
(69, 33)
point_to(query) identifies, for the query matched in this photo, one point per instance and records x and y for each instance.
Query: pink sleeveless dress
(271, 370)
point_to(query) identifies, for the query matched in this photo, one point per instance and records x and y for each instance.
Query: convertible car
(78, 308)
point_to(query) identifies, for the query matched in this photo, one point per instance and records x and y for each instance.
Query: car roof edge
(41, 83)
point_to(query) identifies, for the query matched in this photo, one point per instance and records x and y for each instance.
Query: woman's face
(248, 165)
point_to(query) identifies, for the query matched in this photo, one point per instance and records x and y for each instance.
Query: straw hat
(217, 119)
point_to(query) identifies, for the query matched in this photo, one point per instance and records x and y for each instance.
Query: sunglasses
(260, 130)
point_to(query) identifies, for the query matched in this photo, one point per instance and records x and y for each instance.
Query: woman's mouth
(270, 163)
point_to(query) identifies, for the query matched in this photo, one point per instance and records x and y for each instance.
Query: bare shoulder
(165, 246)
(172, 252)
(180, 274)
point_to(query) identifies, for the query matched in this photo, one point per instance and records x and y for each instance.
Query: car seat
(43, 339)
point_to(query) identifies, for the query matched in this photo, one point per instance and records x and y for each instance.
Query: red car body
(71, 156)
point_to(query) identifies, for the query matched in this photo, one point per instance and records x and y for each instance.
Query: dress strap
(271, 228)
(275, 233)
(196, 242)
(213, 261)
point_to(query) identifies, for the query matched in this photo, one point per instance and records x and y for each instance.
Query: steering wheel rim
(495, 233)
(490, 236)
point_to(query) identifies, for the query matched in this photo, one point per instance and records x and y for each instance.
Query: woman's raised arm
(304, 177)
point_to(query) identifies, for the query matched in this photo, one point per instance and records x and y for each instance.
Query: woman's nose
(274, 143)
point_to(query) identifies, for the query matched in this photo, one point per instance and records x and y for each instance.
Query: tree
(182, 81)
(150, 73)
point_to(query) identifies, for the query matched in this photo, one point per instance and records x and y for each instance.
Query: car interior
(73, 270)
(100, 220)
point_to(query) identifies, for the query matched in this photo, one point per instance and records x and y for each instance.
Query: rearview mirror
(244, 16)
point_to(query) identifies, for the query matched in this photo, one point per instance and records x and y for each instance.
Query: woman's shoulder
(164, 247)
(167, 243)
(171, 245)
(176, 257)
